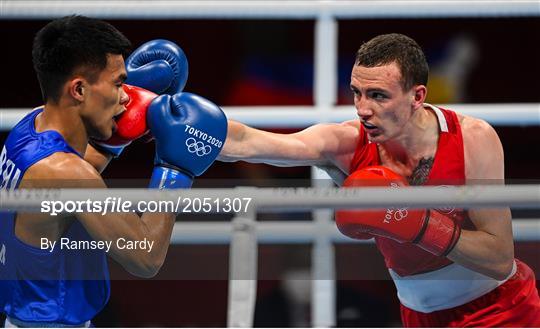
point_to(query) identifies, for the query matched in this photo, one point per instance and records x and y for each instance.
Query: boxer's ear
(419, 93)
(76, 89)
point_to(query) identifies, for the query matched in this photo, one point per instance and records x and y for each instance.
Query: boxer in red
(451, 267)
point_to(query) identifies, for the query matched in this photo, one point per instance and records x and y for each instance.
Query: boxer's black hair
(388, 48)
(73, 43)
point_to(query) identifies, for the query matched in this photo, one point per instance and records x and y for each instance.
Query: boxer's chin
(103, 134)
(376, 136)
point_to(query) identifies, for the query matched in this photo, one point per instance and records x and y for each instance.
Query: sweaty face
(105, 99)
(381, 104)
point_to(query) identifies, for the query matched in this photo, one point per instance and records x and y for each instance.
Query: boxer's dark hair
(388, 48)
(74, 43)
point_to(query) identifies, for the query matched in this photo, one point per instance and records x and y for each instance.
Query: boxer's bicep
(484, 165)
(489, 248)
(345, 141)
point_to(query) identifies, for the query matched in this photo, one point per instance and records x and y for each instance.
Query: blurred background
(270, 62)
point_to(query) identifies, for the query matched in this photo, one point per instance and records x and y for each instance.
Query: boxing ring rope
(265, 9)
(297, 199)
(301, 232)
(245, 233)
(517, 114)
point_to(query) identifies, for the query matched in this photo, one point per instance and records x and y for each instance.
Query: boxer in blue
(80, 65)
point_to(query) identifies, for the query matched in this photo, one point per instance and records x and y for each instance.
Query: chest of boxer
(448, 168)
(38, 285)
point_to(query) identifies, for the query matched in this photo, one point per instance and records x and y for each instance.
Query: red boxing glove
(131, 124)
(429, 229)
(342, 217)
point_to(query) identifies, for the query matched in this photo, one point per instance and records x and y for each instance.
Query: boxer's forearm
(152, 228)
(244, 143)
(235, 147)
(484, 253)
(156, 228)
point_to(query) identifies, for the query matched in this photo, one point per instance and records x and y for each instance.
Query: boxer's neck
(418, 140)
(64, 119)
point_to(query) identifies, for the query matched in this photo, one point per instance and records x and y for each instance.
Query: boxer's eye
(378, 96)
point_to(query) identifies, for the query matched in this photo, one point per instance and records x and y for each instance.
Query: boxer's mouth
(369, 125)
(117, 115)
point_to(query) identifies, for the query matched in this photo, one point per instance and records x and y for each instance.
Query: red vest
(448, 169)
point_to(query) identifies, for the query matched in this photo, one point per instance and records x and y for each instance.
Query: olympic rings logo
(395, 214)
(400, 214)
(197, 147)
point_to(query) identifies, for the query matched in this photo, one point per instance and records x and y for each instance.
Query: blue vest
(36, 285)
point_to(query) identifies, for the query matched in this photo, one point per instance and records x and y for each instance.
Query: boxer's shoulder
(61, 169)
(339, 141)
(474, 125)
(347, 131)
(351, 123)
(477, 131)
(483, 151)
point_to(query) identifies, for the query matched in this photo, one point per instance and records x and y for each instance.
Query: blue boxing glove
(190, 132)
(159, 66)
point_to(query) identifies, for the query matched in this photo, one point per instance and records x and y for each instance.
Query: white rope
(16, 9)
(301, 232)
(281, 199)
(518, 114)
